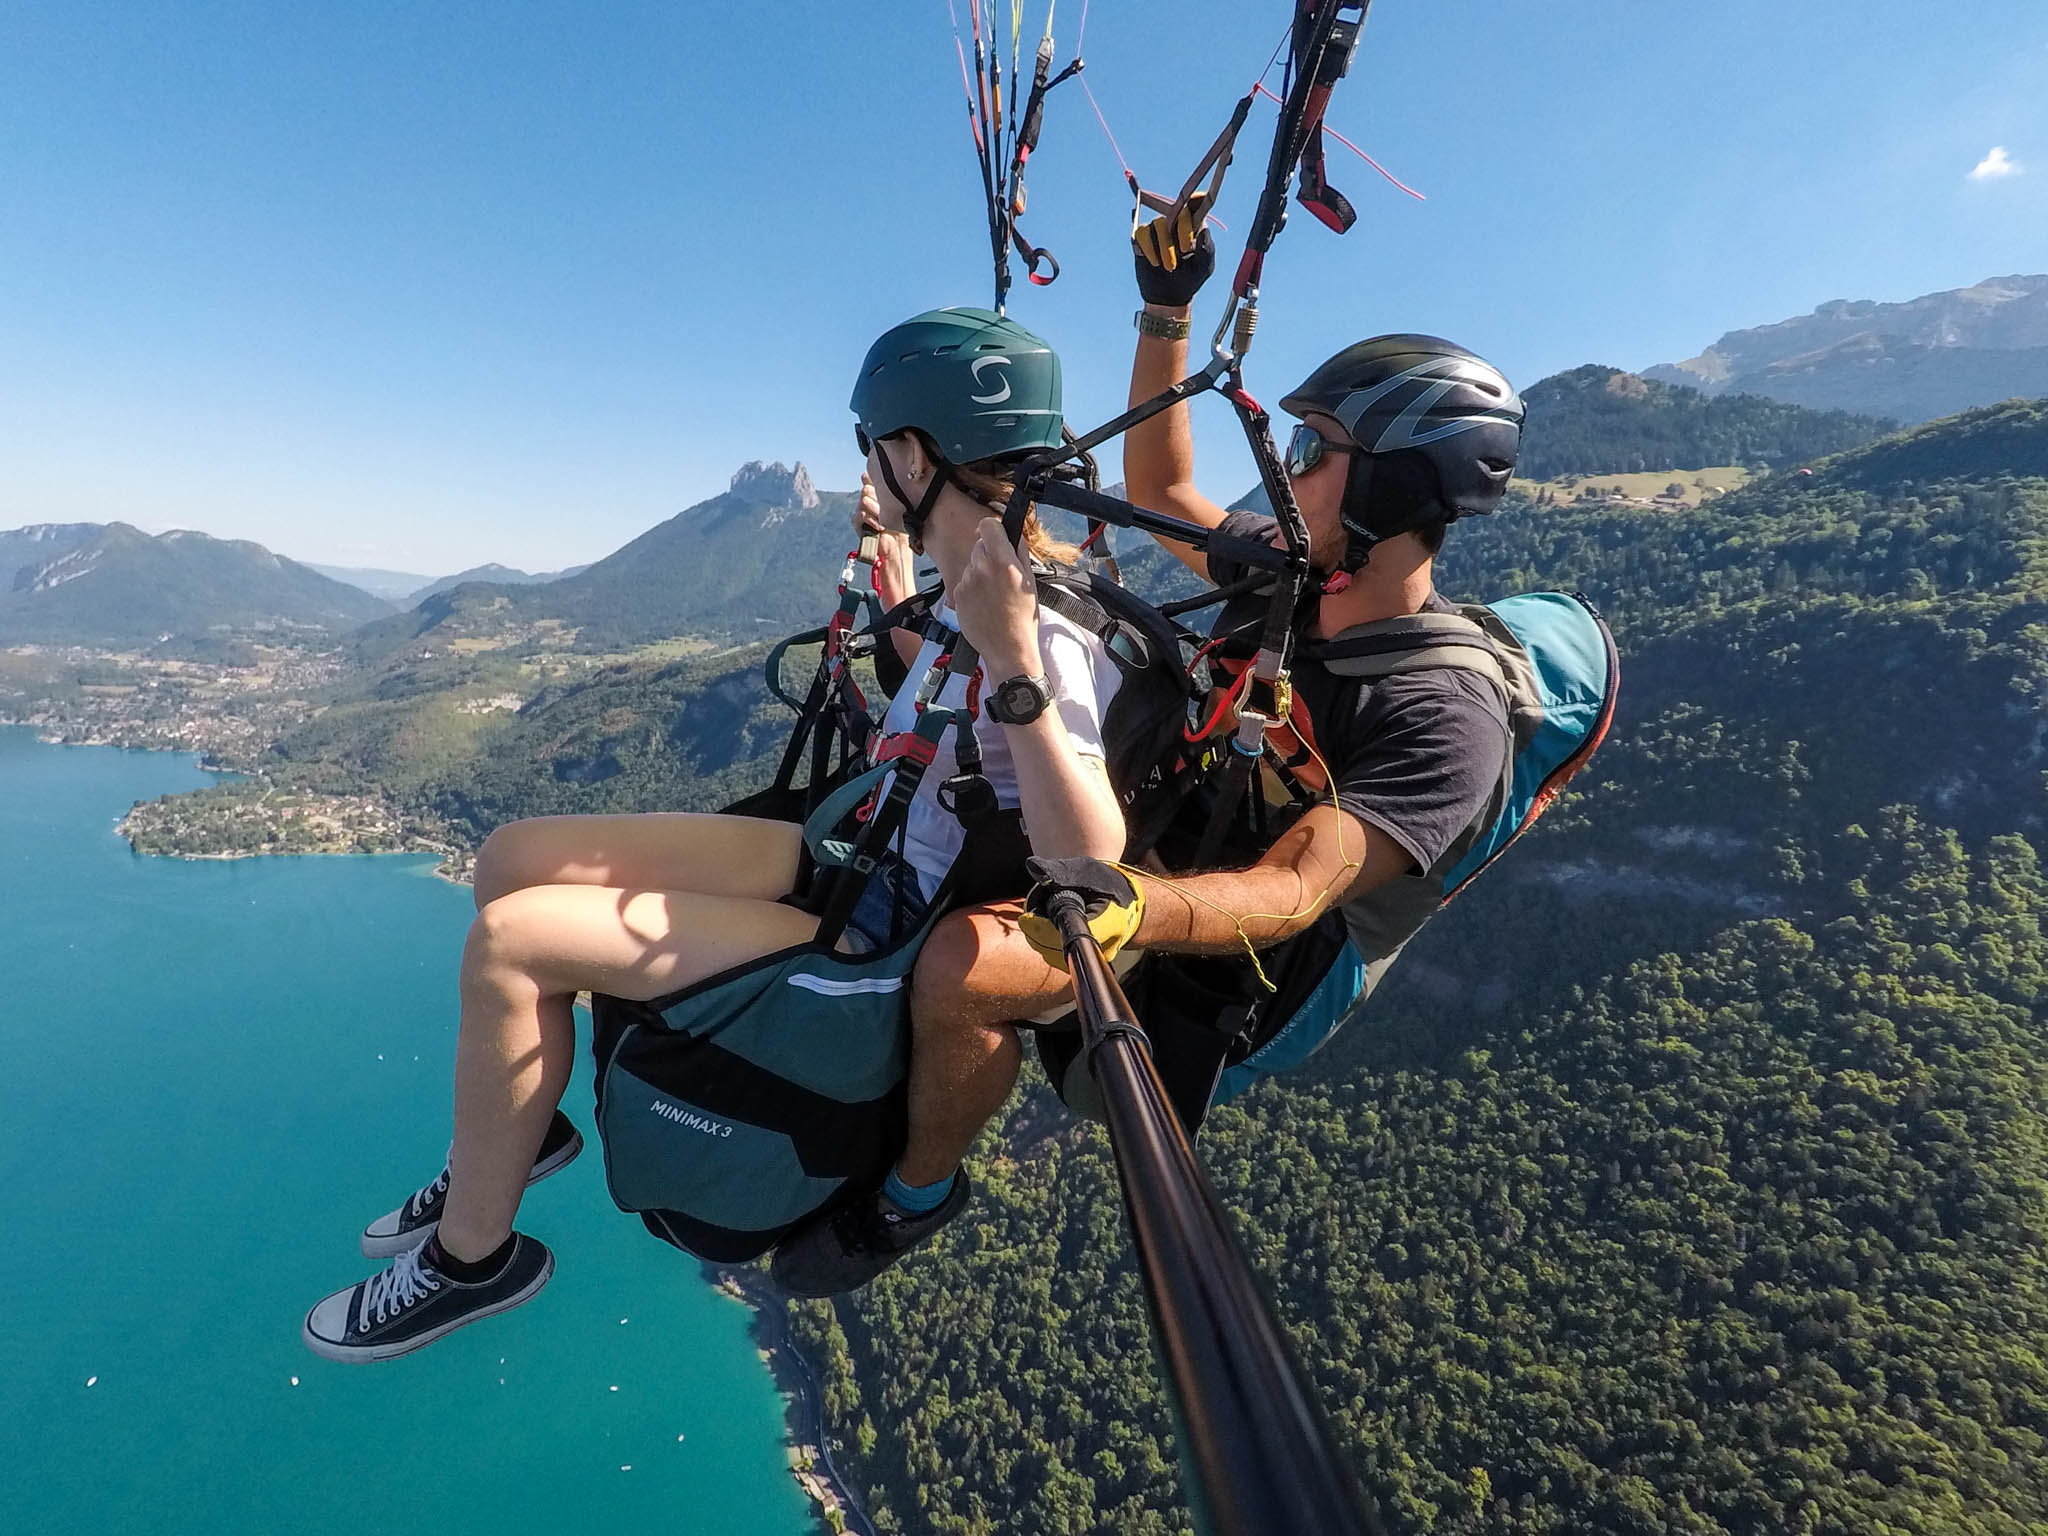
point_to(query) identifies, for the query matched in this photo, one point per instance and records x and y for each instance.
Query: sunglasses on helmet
(1306, 447)
(862, 440)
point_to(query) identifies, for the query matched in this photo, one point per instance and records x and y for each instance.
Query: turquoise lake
(216, 1074)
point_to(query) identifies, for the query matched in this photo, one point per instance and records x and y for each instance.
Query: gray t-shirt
(1420, 757)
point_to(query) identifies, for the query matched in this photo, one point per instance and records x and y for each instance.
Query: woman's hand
(867, 512)
(895, 565)
(997, 603)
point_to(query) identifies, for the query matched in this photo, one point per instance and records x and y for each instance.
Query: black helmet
(1439, 428)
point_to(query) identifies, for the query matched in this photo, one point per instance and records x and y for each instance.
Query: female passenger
(641, 906)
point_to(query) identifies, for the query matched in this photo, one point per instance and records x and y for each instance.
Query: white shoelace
(426, 1197)
(406, 1282)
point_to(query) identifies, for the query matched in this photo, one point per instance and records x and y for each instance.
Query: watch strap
(1165, 327)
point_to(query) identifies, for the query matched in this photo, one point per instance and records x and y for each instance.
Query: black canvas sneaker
(415, 1221)
(847, 1249)
(411, 1304)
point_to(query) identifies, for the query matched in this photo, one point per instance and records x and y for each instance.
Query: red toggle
(907, 744)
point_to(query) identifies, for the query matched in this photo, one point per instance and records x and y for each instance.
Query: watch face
(1020, 701)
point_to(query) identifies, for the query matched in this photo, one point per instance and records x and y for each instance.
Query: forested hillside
(1691, 1173)
(640, 735)
(1595, 420)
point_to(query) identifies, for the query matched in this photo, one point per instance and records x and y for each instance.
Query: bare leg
(654, 851)
(513, 1057)
(975, 974)
(529, 953)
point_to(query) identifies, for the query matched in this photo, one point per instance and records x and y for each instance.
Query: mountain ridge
(1915, 359)
(123, 587)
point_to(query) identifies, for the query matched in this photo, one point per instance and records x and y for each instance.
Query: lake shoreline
(796, 1377)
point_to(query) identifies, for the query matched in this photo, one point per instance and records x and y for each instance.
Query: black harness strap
(843, 889)
(811, 726)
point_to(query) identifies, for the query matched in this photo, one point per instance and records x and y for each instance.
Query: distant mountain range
(392, 586)
(753, 563)
(408, 590)
(759, 560)
(501, 575)
(1913, 361)
(113, 585)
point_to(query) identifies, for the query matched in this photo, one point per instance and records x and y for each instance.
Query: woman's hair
(991, 483)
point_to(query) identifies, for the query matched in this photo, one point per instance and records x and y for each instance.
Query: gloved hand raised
(1174, 252)
(1111, 902)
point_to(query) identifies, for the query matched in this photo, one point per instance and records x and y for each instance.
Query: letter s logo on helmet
(979, 385)
(1003, 379)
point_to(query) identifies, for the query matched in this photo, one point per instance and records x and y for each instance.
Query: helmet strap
(1352, 513)
(915, 514)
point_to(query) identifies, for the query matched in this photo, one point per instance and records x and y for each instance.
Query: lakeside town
(229, 713)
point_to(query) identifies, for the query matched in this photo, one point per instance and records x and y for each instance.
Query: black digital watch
(1020, 701)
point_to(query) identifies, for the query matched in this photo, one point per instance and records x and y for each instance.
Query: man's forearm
(1217, 913)
(1159, 454)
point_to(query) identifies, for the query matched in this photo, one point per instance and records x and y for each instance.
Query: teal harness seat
(737, 1108)
(733, 1109)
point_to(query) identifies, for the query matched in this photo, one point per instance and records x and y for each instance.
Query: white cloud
(1994, 165)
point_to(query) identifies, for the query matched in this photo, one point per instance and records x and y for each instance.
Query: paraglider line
(1120, 160)
(1368, 159)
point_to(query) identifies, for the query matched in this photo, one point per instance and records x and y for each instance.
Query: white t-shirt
(1083, 680)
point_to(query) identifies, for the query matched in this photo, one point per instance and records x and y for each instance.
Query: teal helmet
(979, 385)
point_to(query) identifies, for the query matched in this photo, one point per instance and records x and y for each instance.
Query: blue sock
(916, 1199)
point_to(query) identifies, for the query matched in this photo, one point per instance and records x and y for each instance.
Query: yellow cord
(1314, 908)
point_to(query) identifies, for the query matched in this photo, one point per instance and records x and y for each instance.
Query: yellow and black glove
(1174, 252)
(1111, 902)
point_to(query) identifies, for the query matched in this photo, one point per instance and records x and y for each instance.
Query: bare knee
(498, 947)
(945, 992)
(502, 865)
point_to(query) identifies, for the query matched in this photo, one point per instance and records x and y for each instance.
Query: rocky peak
(773, 485)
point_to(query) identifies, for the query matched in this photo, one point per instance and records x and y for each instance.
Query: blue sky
(418, 287)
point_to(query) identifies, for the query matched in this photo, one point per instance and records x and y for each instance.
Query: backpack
(1553, 658)
(1148, 760)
